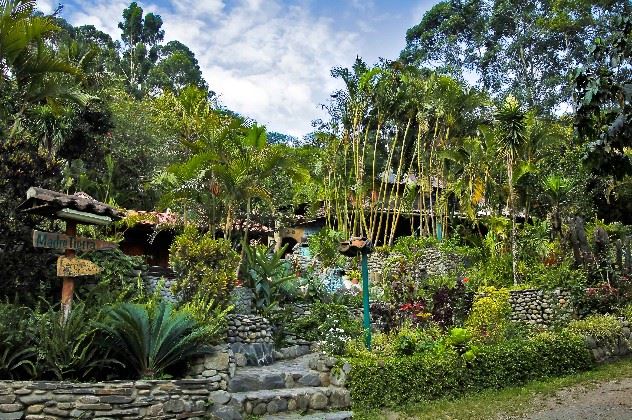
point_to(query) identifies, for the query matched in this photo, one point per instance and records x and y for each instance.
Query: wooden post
(68, 287)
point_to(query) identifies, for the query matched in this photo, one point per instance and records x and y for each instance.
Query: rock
(277, 405)
(12, 416)
(259, 409)
(174, 406)
(34, 409)
(225, 412)
(340, 398)
(318, 401)
(56, 412)
(7, 399)
(217, 362)
(220, 397)
(338, 377)
(10, 408)
(311, 379)
(240, 359)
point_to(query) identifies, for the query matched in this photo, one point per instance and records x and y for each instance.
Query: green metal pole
(365, 300)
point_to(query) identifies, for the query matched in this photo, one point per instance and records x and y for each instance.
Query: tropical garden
(498, 140)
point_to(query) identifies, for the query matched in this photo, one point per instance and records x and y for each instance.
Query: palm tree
(27, 61)
(510, 125)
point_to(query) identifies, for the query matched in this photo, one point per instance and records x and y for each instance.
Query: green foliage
(324, 246)
(17, 348)
(330, 323)
(71, 350)
(603, 328)
(488, 318)
(202, 262)
(119, 272)
(393, 381)
(150, 341)
(626, 312)
(268, 275)
(209, 315)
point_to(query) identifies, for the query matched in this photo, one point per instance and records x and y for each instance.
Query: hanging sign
(61, 241)
(76, 267)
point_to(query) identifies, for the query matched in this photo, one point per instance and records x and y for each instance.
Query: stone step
(273, 401)
(332, 415)
(293, 373)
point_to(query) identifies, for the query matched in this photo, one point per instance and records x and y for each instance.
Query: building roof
(48, 203)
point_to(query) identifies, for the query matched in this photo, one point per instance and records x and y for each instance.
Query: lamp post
(352, 248)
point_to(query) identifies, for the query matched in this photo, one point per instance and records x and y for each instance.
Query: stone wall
(250, 338)
(39, 400)
(242, 298)
(606, 350)
(540, 307)
(218, 366)
(432, 262)
(165, 277)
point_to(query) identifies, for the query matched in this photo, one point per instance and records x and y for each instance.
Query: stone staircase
(284, 390)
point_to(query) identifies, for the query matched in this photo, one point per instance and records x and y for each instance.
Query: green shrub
(330, 323)
(208, 314)
(74, 349)
(268, 275)
(324, 246)
(603, 328)
(626, 312)
(393, 381)
(202, 262)
(489, 317)
(150, 341)
(17, 348)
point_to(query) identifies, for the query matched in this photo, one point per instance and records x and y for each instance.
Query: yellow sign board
(76, 267)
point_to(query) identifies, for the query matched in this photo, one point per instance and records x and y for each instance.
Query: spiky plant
(151, 340)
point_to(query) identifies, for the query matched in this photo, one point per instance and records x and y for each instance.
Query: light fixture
(81, 216)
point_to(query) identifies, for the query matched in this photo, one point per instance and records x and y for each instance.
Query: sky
(269, 60)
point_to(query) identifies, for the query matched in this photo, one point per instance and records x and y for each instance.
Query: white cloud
(267, 60)
(46, 6)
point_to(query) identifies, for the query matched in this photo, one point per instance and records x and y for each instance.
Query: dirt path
(610, 400)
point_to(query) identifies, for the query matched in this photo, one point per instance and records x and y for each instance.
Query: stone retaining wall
(250, 338)
(165, 277)
(432, 262)
(39, 400)
(242, 298)
(218, 366)
(540, 307)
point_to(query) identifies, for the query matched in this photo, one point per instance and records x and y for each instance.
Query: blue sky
(269, 59)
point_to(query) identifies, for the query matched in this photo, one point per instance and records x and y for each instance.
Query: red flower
(465, 279)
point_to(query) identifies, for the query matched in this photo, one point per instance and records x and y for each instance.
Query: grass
(492, 403)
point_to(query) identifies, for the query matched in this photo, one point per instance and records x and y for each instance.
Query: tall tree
(176, 68)
(141, 35)
(524, 48)
(510, 120)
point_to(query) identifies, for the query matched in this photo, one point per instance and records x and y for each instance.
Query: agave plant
(149, 340)
(268, 274)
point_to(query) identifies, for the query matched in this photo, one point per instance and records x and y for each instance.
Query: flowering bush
(414, 312)
(330, 324)
(601, 299)
(489, 317)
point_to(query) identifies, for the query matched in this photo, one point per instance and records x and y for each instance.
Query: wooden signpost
(76, 208)
(76, 267)
(69, 267)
